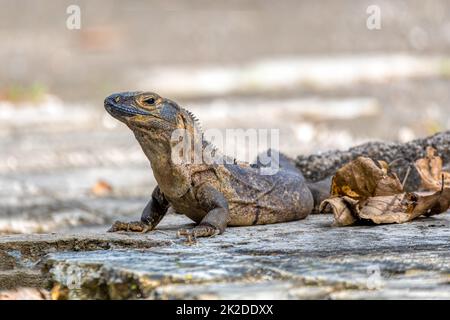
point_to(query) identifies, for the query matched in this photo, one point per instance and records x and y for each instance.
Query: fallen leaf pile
(365, 191)
(362, 178)
(430, 171)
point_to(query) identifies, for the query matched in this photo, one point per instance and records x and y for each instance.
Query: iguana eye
(150, 100)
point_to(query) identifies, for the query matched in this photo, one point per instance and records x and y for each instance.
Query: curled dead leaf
(363, 178)
(59, 292)
(430, 171)
(342, 208)
(397, 208)
(101, 188)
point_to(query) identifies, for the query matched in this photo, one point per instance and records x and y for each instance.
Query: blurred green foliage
(19, 93)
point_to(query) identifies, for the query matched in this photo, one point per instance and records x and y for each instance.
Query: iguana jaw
(120, 110)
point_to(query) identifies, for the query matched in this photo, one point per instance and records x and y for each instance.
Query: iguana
(214, 195)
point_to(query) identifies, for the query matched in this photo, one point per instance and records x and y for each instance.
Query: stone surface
(306, 259)
(283, 261)
(21, 255)
(22, 277)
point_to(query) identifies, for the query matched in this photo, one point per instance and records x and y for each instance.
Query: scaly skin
(213, 195)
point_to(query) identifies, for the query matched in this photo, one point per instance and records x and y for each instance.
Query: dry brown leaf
(59, 292)
(362, 178)
(101, 188)
(398, 208)
(430, 171)
(342, 208)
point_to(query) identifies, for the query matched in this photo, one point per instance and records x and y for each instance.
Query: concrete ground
(298, 260)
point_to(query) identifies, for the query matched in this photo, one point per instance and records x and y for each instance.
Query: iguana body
(213, 195)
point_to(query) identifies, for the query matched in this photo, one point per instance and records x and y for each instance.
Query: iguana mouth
(122, 110)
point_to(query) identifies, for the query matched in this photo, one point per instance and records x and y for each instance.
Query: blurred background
(312, 69)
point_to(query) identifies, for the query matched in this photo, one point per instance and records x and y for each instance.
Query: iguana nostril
(109, 100)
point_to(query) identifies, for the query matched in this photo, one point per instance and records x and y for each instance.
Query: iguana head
(153, 119)
(148, 112)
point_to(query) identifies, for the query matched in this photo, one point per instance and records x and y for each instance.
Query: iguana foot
(134, 226)
(198, 231)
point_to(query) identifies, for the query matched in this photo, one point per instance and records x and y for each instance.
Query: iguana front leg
(216, 220)
(153, 212)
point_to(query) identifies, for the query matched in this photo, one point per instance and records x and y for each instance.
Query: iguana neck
(173, 179)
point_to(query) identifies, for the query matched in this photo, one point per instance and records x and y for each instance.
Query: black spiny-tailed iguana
(213, 195)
